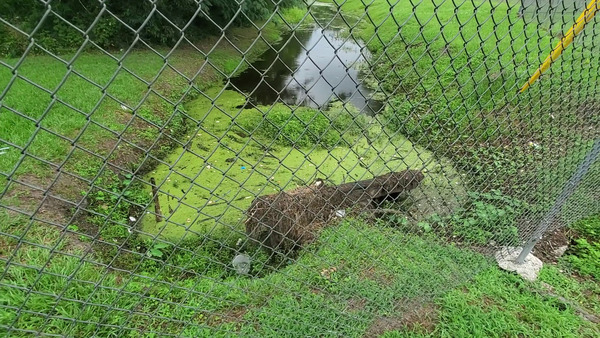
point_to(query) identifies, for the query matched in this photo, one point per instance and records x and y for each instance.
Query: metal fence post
(568, 190)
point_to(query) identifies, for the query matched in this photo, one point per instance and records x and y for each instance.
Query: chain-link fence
(279, 167)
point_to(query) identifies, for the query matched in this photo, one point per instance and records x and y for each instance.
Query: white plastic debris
(132, 219)
(558, 252)
(125, 108)
(529, 269)
(241, 264)
(340, 213)
(3, 150)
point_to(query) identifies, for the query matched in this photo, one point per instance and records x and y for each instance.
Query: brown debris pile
(288, 220)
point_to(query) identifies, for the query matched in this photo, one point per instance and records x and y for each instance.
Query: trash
(243, 167)
(558, 252)
(133, 219)
(3, 150)
(340, 213)
(327, 273)
(241, 264)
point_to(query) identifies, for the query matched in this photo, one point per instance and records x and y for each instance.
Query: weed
(304, 127)
(584, 253)
(484, 217)
(156, 250)
(588, 227)
(85, 239)
(115, 199)
(585, 257)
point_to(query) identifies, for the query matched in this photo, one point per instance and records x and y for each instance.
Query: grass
(80, 98)
(359, 277)
(451, 82)
(391, 275)
(498, 304)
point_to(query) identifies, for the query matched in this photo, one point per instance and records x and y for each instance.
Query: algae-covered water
(209, 184)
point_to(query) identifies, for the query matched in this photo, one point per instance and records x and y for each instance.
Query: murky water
(310, 67)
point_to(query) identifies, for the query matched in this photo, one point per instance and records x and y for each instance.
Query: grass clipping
(285, 221)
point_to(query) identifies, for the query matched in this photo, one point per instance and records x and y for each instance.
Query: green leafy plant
(584, 253)
(485, 217)
(585, 257)
(305, 127)
(156, 250)
(113, 199)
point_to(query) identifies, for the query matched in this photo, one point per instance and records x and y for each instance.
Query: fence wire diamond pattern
(201, 168)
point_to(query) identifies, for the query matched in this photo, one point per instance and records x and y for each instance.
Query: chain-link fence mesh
(278, 167)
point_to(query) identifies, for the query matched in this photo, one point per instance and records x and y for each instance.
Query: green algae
(209, 184)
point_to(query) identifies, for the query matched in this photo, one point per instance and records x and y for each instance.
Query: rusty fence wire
(279, 167)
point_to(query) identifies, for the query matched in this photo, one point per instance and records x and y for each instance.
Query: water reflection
(311, 68)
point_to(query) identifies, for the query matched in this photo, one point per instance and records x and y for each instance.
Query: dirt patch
(424, 318)
(42, 198)
(546, 249)
(382, 325)
(356, 304)
(7, 246)
(124, 157)
(233, 315)
(485, 303)
(412, 316)
(377, 275)
(588, 120)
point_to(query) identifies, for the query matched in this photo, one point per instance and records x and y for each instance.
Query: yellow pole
(583, 19)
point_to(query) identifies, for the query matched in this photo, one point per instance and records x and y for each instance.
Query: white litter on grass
(340, 213)
(3, 150)
(560, 250)
(241, 264)
(529, 269)
(133, 219)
